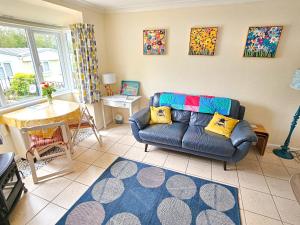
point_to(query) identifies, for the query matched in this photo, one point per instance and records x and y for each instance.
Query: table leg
(130, 110)
(103, 114)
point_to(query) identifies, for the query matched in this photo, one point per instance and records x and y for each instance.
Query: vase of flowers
(47, 90)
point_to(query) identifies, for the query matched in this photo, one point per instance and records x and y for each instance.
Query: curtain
(85, 52)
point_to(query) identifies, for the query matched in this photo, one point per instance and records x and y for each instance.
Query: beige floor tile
(289, 210)
(255, 219)
(29, 182)
(51, 188)
(48, 216)
(252, 154)
(89, 156)
(250, 166)
(242, 215)
(273, 170)
(70, 195)
(89, 176)
(28, 206)
(156, 157)
(291, 163)
(78, 150)
(118, 149)
(176, 162)
(140, 145)
(269, 157)
(241, 205)
(78, 168)
(127, 140)
(281, 188)
(253, 181)
(105, 160)
(136, 154)
(199, 167)
(57, 164)
(220, 175)
(292, 171)
(260, 203)
(88, 142)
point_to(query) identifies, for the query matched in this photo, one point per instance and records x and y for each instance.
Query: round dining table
(41, 114)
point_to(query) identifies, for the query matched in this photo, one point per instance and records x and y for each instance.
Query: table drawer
(116, 104)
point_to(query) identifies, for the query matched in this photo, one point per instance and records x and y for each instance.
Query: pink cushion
(40, 141)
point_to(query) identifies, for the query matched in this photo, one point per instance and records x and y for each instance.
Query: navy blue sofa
(187, 133)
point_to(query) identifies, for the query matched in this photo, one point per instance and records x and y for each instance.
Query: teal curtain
(85, 52)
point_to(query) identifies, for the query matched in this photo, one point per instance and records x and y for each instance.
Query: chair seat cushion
(37, 142)
(168, 134)
(197, 139)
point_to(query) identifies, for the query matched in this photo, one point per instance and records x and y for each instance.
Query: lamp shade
(296, 80)
(109, 78)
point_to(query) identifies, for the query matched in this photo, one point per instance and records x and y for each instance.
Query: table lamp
(108, 79)
(283, 151)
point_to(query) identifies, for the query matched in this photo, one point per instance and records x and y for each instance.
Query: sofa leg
(225, 165)
(146, 147)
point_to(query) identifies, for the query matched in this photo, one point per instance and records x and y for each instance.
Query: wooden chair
(36, 146)
(86, 121)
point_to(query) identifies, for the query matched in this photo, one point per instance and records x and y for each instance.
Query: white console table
(119, 101)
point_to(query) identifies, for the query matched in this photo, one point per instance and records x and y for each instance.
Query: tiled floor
(265, 194)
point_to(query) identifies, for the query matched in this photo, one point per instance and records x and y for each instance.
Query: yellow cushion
(160, 114)
(222, 125)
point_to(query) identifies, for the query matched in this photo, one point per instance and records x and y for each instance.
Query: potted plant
(47, 90)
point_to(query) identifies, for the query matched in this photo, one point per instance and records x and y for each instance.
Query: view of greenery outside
(15, 38)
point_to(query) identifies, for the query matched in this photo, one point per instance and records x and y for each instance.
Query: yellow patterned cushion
(160, 114)
(222, 125)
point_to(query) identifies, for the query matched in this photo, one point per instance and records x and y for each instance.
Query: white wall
(262, 85)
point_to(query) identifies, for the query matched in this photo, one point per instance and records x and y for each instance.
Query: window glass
(17, 76)
(47, 45)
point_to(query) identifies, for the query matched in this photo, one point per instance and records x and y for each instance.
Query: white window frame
(63, 57)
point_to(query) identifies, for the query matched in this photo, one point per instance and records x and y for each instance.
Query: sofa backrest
(199, 119)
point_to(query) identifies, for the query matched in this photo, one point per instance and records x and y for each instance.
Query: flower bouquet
(47, 90)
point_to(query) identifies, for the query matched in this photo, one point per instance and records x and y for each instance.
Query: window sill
(31, 102)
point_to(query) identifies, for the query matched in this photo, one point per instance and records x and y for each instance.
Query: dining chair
(86, 121)
(38, 148)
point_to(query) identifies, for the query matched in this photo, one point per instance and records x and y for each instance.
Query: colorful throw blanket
(203, 104)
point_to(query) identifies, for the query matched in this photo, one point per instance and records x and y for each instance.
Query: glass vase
(50, 99)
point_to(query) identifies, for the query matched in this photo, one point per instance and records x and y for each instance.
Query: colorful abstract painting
(203, 41)
(262, 41)
(154, 42)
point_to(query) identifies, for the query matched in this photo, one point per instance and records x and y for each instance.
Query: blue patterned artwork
(132, 193)
(262, 41)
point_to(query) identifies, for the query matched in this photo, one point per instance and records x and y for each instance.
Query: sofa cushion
(197, 139)
(181, 116)
(168, 134)
(200, 119)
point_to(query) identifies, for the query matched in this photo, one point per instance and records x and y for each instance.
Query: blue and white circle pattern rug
(133, 193)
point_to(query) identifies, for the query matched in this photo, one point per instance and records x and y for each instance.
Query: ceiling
(139, 5)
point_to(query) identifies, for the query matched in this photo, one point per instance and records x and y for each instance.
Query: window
(8, 69)
(46, 68)
(29, 56)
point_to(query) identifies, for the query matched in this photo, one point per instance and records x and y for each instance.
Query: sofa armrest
(242, 133)
(141, 118)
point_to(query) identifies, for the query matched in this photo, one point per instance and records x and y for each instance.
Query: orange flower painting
(203, 41)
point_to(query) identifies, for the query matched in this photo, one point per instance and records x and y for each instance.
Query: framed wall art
(203, 41)
(262, 41)
(154, 42)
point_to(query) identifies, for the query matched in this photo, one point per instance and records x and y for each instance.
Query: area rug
(133, 193)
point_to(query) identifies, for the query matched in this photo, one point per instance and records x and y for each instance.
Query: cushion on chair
(197, 139)
(168, 134)
(37, 142)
